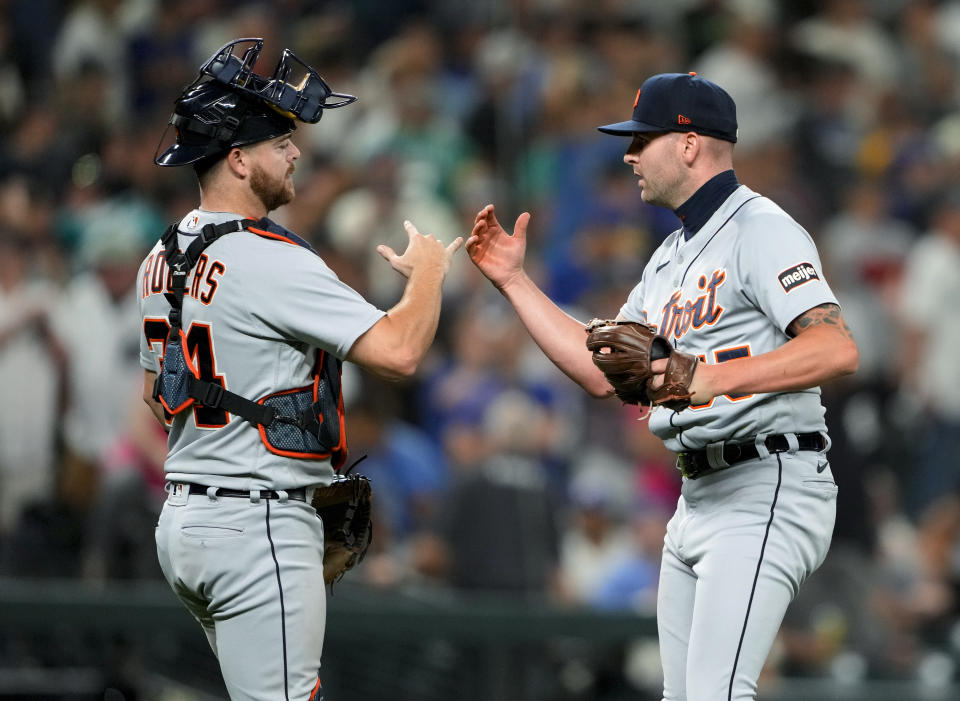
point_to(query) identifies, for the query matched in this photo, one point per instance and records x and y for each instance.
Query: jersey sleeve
(780, 269)
(300, 297)
(633, 309)
(149, 359)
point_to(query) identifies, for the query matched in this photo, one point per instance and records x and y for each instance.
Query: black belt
(695, 463)
(298, 494)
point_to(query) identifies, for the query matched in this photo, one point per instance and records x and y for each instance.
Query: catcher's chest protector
(302, 422)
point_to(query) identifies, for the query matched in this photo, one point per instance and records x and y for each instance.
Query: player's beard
(273, 192)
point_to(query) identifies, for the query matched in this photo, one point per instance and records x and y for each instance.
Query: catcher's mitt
(624, 350)
(344, 508)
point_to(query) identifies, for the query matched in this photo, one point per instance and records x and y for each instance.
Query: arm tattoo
(825, 314)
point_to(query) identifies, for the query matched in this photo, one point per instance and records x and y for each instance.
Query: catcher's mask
(229, 105)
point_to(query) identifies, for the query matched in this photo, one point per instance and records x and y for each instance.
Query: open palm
(496, 253)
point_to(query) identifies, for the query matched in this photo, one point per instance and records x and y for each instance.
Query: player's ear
(690, 146)
(238, 161)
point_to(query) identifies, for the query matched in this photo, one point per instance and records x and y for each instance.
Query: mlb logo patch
(797, 275)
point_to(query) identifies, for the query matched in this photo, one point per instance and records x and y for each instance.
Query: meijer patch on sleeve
(797, 275)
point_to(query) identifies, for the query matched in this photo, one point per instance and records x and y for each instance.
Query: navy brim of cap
(627, 128)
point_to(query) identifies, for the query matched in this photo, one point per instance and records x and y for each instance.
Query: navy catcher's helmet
(229, 105)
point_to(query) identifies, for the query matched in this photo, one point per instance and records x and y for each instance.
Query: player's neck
(694, 183)
(707, 199)
(244, 202)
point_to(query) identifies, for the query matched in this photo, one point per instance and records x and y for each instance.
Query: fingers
(483, 213)
(410, 229)
(486, 218)
(388, 253)
(659, 367)
(490, 217)
(479, 229)
(413, 234)
(520, 228)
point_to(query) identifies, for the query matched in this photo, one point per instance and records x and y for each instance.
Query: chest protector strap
(306, 422)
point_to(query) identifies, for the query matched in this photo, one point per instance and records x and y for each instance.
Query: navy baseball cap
(680, 102)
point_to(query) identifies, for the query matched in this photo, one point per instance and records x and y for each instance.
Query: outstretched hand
(423, 251)
(497, 254)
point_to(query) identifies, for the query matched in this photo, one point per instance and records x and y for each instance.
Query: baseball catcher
(625, 351)
(244, 329)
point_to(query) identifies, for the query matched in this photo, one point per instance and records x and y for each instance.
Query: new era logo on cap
(683, 120)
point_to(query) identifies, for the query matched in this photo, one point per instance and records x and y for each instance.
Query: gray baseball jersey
(255, 312)
(730, 292)
(744, 538)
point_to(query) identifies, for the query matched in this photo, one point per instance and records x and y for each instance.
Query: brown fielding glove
(624, 350)
(344, 508)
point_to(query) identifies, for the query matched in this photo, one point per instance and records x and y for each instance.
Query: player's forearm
(396, 344)
(419, 311)
(812, 358)
(155, 407)
(561, 337)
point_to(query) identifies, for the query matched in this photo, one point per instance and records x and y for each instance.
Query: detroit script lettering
(677, 318)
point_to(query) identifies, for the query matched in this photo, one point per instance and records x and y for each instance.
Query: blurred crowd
(492, 471)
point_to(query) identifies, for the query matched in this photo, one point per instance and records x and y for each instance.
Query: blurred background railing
(415, 645)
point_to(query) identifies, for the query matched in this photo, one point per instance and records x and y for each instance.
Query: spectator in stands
(498, 523)
(930, 318)
(597, 541)
(32, 361)
(97, 317)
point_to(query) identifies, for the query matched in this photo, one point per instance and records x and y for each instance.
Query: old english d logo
(637, 98)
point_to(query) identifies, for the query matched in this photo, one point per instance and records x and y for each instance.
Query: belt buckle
(736, 451)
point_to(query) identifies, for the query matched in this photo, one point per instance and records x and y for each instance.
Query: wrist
(512, 282)
(429, 271)
(705, 384)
